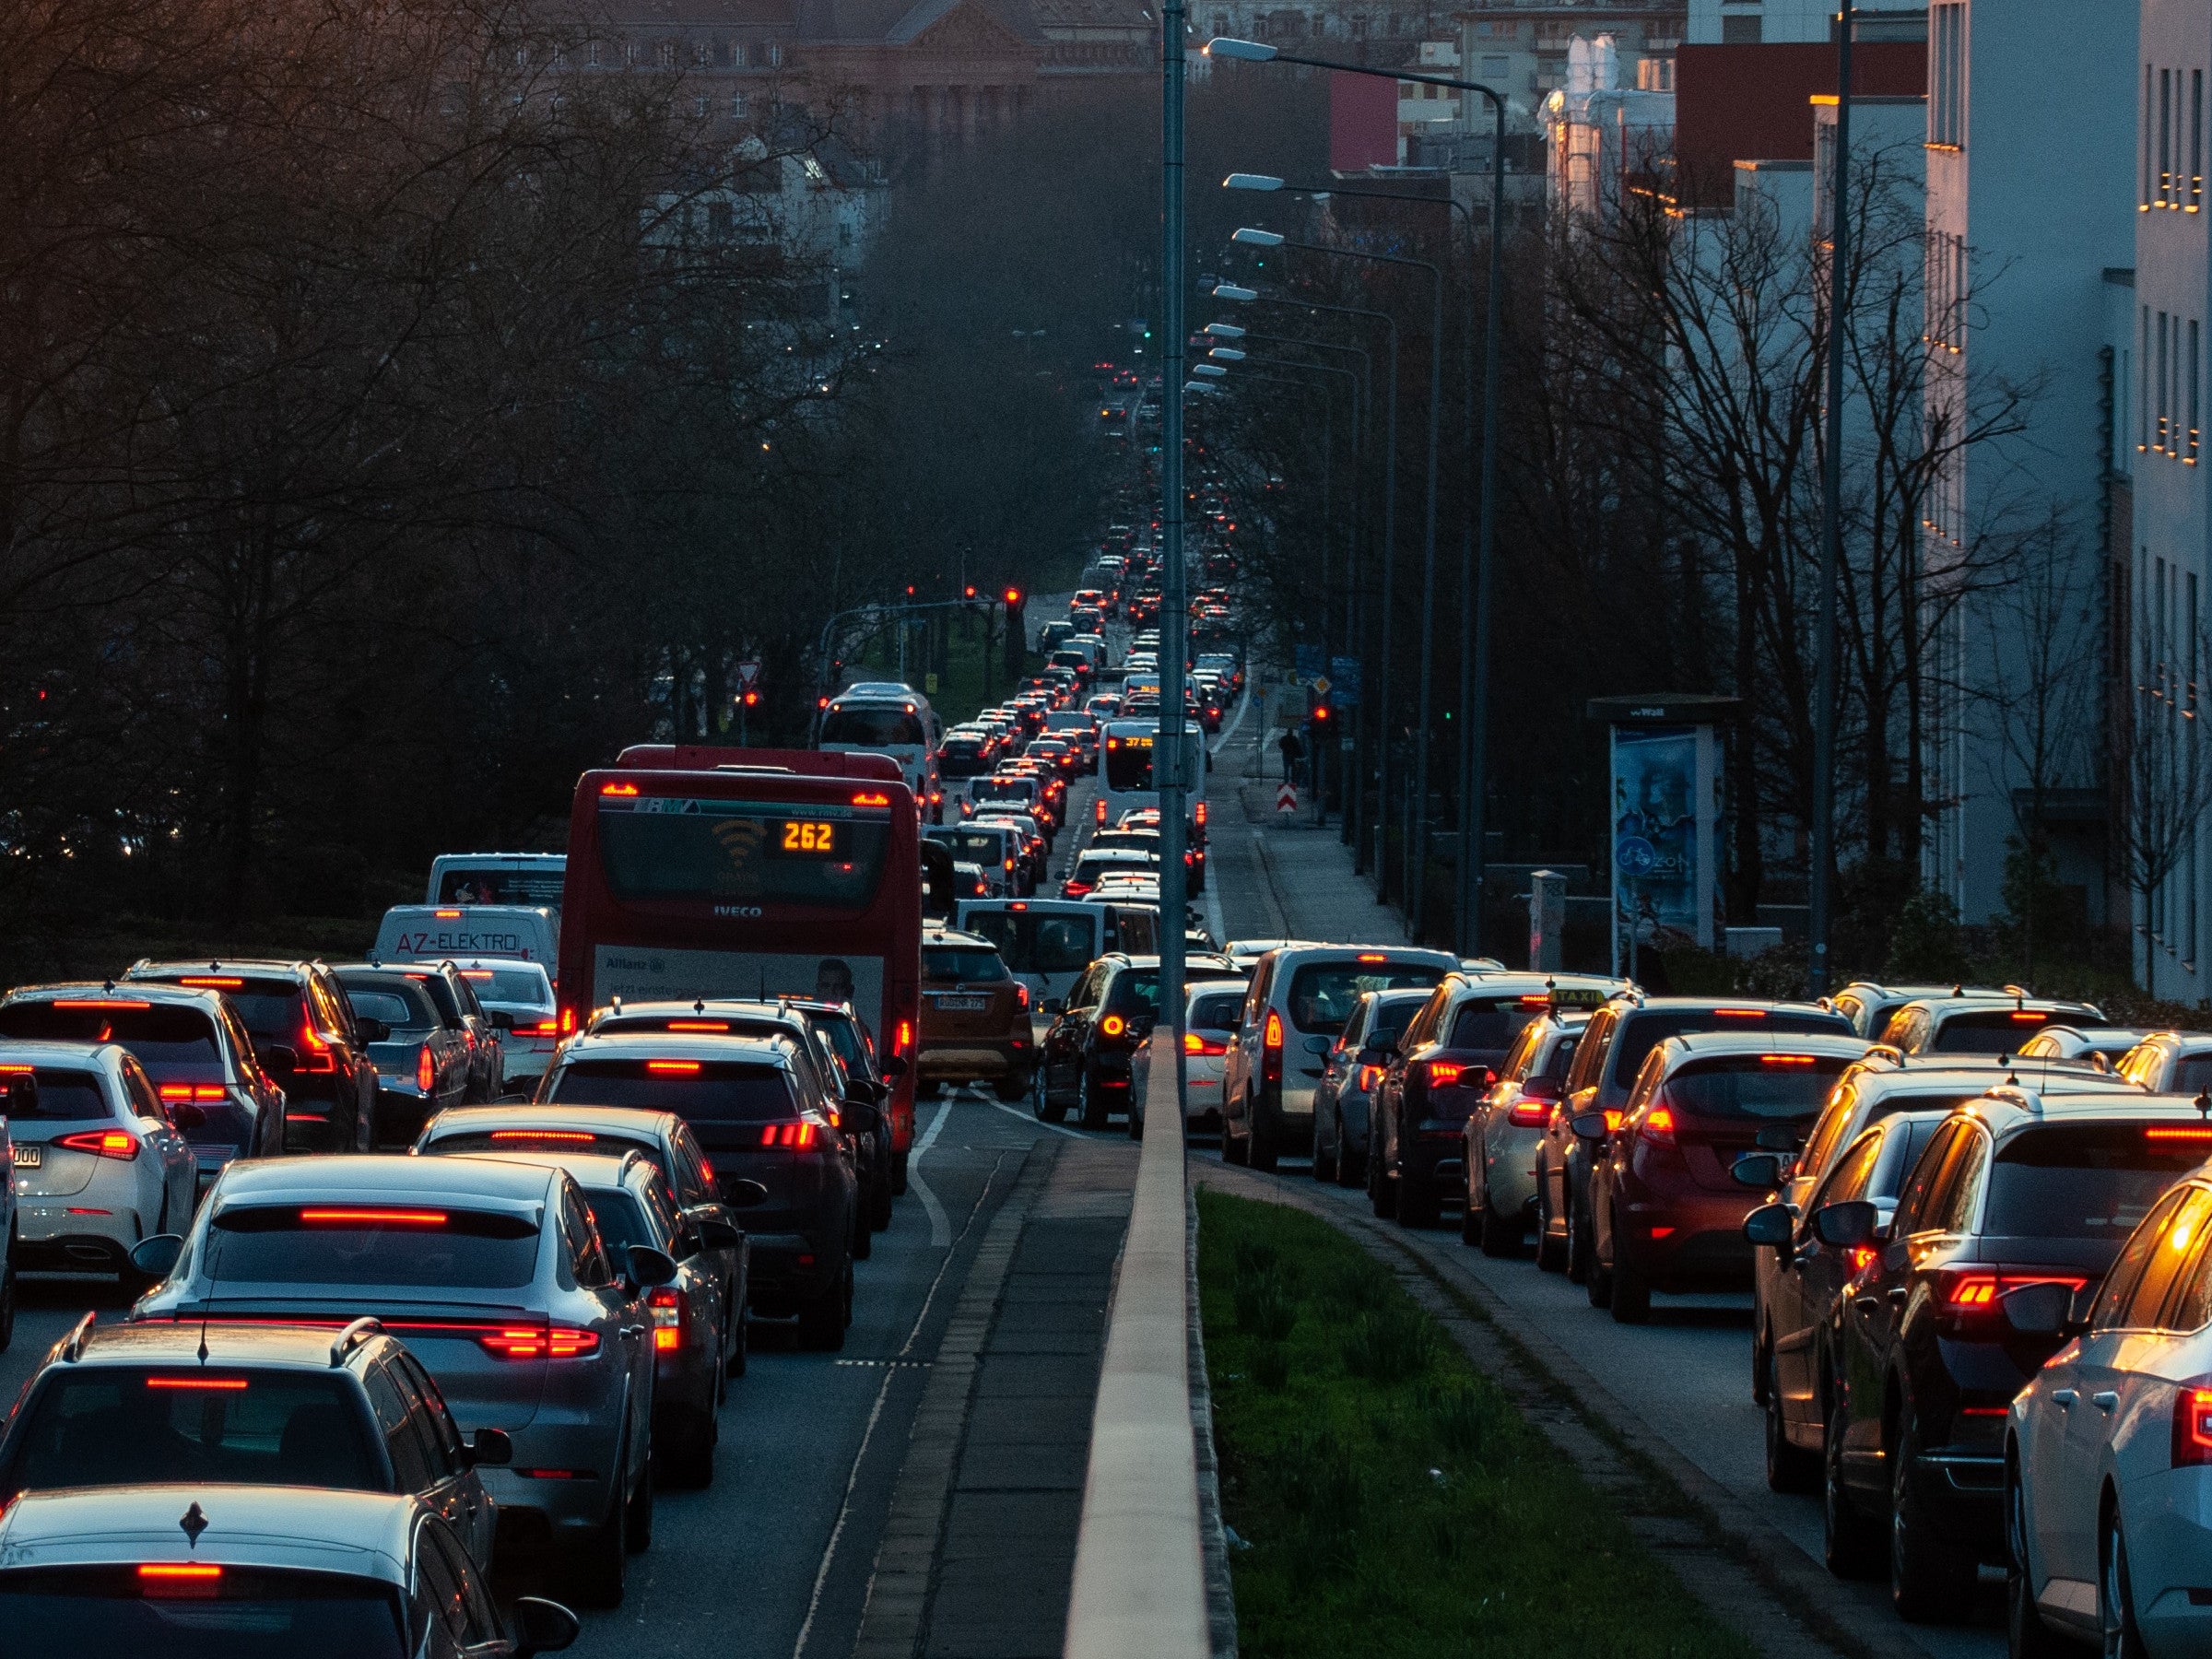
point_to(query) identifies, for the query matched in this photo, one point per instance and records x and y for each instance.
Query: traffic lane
(47, 1310)
(782, 1545)
(1687, 1375)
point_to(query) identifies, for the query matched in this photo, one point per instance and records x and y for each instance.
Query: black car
(458, 1007)
(773, 1140)
(1606, 1062)
(423, 1059)
(1084, 1059)
(306, 1037)
(2016, 1190)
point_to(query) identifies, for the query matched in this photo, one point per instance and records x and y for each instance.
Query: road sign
(1285, 798)
(1344, 672)
(748, 675)
(1635, 855)
(1320, 686)
(1306, 664)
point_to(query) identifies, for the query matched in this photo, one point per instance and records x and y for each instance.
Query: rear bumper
(1434, 1157)
(1692, 1244)
(969, 1062)
(1510, 1167)
(788, 1269)
(73, 1244)
(1963, 1496)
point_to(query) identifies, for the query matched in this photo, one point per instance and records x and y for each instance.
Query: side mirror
(717, 1234)
(1757, 1171)
(370, 1030)
(1589, 1127)
(185, 1115)
(1771, 1225)
(499, 1019)
(278, 1060)
(490, 1448)
(542, 1626)
(1846, 1225)
(157, 1257)
(857, 1112)
(740, 1194)
(650, 1268)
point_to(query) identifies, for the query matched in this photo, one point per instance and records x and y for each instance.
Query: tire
(1011, 1088)
(2026, 1634)
(1499, 1236)
(637, 1521)
(822, 1320)
(1597, 1278)
(899, 1173)
(1632, 1283)
(2116, 1594)
(1931, 1580)
(1552, 1254)
(1789, 1468)
(1264, 1151)
(597, 1565)
(1381, 1197)
(1093, 1114)
(1324, 1167)
(1233, 1151)
(1851, 1545)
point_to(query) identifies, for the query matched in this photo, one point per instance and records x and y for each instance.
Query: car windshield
(1641, 1033)
(539, 884)
(123, 1425)
(1322, 994)
(1993, 1031)
(253, 1613)
(403, 1007)
(2085, 1180)
(337, 1243)
(969, 963)
(1755, 1086)
(715, 1096)
(59, 1094)
(160, 1035)
(880, 726)
(518, 987)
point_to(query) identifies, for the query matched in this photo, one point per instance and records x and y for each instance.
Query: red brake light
(618, 789)
(1444, 1073)
(1785, 1059)
(1113, 1025)
(1974, 1291)
(314, 1053)
(871, 798)
(2173, 1133)
(1271, 1034)
(795, 1136)
(540, 1342)
(1370, 956)
(425, 1070)
(547, 1027)
(673, 1068)
(568, 1021)
(223, 982)
(698, 1025)
(101, 1002)
(451, 915)
(1612, 1120)
(103, 1143)
(1529, 1114)
(668, 1321)
(179, 1578)
(906, 1037)
(1739, 1013)
(1369, 1075)
(2192, 1424)
(354, 1216)
(574, 1137)
(2022, 1017)
(1021, 995)
(1659, 1126)
(215, 1384)
(1540, 1000)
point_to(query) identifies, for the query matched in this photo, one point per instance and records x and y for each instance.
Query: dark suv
(1084, 1061)
(2017, 1189)
(306, 1036)
(1606, 1062)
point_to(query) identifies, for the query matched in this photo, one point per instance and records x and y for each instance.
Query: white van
(886, 717)
(438, 933)
(1047, 943)
(534, 878)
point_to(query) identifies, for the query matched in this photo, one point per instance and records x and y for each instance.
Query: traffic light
(967, 592)
(1013, 596)
(751, 699)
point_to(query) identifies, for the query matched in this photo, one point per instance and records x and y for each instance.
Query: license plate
(27, 1157)
(962, 1004)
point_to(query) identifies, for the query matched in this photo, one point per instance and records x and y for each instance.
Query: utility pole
(1174, 600)
(1831, 512)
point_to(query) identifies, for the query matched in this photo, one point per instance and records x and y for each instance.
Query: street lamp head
(1211, 371)
(1229, 290)
(1253, 238)
(1227, 354)
(1198, 386)
(1249, 51)
(1252, 182)
(1225, 331)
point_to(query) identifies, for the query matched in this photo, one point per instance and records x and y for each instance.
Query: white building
(2027, 207)
(1605, 138)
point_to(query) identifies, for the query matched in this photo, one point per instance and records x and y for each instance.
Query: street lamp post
(1476, 705)
(1175, 606)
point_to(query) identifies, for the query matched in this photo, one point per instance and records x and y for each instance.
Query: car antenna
(698, 1004)
(107, 987)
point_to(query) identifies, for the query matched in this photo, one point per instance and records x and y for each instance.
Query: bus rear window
(873, 728)
(160, 1035)
(1128, 763)
(740, 852)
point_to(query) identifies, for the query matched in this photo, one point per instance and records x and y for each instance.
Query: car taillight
(2192, 1423)
(568, 1021)
(796, 1136)
(1368, 1077)
(547, 1027)
(1113, 1025)
(1971, 1295)
(1271, 1049)
(1021, 997)
(1194, 1044)
(1098, 809)
(1444, 1073)
(1529, 1114)
(668, 1319)
(315, 1054)
(103, 1143)
(1658, 1126)
(905, 1039)
(194, 1092)
(425, 1070)
(542, 1342)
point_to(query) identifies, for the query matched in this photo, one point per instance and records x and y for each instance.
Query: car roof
(243, 968)
(675, 1045)
(227, 1342)
(1942, 1007)
(1884, 1074)
(1526, 982)
(119, 994)
(367, 1533)
(1636, 1002)
(1707, 1045)
(1409, 955)
(2008, 1107)
(356, 1177)
(601, 1169)
(472, 1120)
(41, 1051)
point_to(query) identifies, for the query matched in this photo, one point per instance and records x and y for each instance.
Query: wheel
(1632, 1283)
(597, 1565)
(1263, 1152)
(823, 1319)
(637, 1521)
(899, 1173)
(1092, 1114)
(1931, 1579)
(1136, 1122)
(1789, 1468)
(2026, 1634)
(1851, 1545)
(1381, 1197)
(1324, 1163)
(1501, 1234)
(2116, 1596)
(1011, 1088)
(1551, 1253)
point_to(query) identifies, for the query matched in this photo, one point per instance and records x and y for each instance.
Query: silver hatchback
(496, 1277)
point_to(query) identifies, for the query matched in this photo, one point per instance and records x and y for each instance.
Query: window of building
(1741, 30)
(2143, 384)
(2165, 405)
(2166, 137)
(737, 106)
(2189, 448)
(775, 56)
(2144, 198)
(1947, 76)
(2197, 139)
(591, 53)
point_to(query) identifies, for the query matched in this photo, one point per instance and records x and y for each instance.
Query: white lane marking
(940, 1229)
(890, 1372)
(1033, 1121)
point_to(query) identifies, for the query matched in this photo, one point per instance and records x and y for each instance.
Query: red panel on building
(1363, 123)
(1754, 103)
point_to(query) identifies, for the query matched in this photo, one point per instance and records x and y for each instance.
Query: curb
(1220, 1593)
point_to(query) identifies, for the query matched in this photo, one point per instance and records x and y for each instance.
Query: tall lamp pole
(1175, 601)
(1831, 512)
(1478, 650)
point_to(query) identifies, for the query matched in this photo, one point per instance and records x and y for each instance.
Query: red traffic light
(1013, 595)
(1321, 711)
(970, 591)
(752, 700)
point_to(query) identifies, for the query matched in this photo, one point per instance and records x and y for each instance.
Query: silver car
(209, 1572)
(495, 1276)
(1209, 1022)
(1506, 1127)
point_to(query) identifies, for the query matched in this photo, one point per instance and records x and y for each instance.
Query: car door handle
(2064, 1398)
(2104, 1401)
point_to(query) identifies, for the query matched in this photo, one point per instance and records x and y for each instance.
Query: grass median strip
(1386, 1496)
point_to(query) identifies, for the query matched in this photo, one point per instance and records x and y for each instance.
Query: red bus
(698, 872)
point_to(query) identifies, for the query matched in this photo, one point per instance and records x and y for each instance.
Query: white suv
(1300, 997)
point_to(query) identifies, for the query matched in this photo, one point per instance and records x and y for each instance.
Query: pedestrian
(1294, 750)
